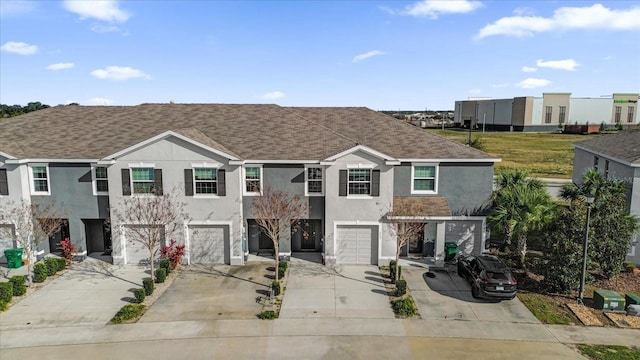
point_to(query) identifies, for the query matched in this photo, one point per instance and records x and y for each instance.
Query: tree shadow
(380, 292)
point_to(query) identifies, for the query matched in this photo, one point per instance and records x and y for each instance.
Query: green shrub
(19, 286)
(140, 294)
(61, 263)
(268, 315)
(161, 275)
(166, 265)
(392, 270)
(282, 269)
(52, 266)
(3, 305)
(629, 266)
(128, 312)
(6, 291)
(404, 307)
(148, 286)
(40, 272)
(275, 286)
(401, 287)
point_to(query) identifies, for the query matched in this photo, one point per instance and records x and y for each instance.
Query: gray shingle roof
(258, 132)
(623, 146)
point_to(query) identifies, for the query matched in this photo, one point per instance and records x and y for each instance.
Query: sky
(385, 55)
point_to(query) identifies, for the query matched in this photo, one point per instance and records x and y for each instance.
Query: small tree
(152, 219)
(276, 212)
(32, 224)
(403, 225)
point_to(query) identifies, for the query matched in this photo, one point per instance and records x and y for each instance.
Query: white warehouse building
(547, 113)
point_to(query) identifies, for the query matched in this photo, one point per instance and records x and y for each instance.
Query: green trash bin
(450, 251)
(14, 258)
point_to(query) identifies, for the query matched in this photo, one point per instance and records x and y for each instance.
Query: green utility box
(450, 251)
(14, 258)
(632, 299)
(608, 300)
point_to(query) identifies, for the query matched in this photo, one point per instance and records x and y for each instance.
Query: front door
(61, 234)
(430, 234)
(415, 244)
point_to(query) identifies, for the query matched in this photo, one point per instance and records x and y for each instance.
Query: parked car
(489, 277)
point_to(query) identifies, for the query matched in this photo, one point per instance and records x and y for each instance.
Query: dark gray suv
(489, 277)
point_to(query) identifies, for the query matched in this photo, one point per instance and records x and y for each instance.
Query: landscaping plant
(165, 264)
(19, 285)
(161, 275)
(173, 253)
(275, 286)
(40, 272)
(129, 312)
(404, 307)
(6, 291)
(148, 285)
(139, 294)
(52, 266)
(68, 249)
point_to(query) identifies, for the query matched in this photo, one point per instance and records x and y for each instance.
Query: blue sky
(385, 55)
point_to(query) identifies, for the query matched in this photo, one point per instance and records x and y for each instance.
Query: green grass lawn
(547, 309)
(542, 154)
(609, 352)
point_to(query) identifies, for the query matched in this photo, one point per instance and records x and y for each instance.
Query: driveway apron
(213, 292)
(442, 294)
(348, 291)
(89, 293)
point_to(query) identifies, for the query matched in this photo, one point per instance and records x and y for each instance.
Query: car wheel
(474, 291)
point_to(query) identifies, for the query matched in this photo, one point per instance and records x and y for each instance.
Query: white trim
(361, 166)
(187, 239)
(306, 180)
(193, 180)
(393, 162)
(206, 165)
(105, 162)
(165, 135)
(32, 179)
(435, 182)
(244, 180)
(336, 224)
(94, 180)
(362, 148)
(258, 161)
(460, 160)
(25, 161)
(5, 155)
(142, 165)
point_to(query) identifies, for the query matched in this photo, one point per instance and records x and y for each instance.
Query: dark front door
(309, 232)
(415, 244)
(63, 233)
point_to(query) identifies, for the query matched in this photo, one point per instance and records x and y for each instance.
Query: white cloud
(568, 64)
(105, 10)
(16, 7)
(60, 66)
(119, 73)
(529, 69)
(433, 8)
(104, 28)
(367, 55)
(532, 83)
(100, 101)
(21, 48)
(273, 95)
(566, 18)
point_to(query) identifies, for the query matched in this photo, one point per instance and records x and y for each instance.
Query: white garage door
(356, 244)
(207, 244)
(137, 252)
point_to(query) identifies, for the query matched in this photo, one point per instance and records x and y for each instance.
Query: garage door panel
(356, 244)
(137, 253)
(207, 244)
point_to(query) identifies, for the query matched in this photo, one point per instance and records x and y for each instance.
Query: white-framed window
(100, 180)
(40, 182)
(359, 182)
(314, 181)
(142, 180)
(205, 181)
(424, 179)
(252, 180)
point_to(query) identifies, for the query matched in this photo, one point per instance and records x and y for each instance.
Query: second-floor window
(205, 181)
(40, 179)
(423, 179)
(548, 111)
(142, 180)
(252, 180)
(313, 177)
(100, 176)
(359, 182)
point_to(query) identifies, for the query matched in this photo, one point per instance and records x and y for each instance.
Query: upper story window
(40, 184)
(548, 111)
(100, 181)
(359, 182)
(562, 115)
(424, 179)
(618, 114)
(4, 184)
(142, 178)
(596, 160)
(204, 180)
(313, 180)
(630, 114)
(252, 180)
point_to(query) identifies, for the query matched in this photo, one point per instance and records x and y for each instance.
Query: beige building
(546, 113)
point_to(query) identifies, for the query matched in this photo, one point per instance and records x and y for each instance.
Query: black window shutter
(375, 183)
(4, 184)
(126, 182)
(188, 182)
(222, 183)
(157, 185)
(343, 183)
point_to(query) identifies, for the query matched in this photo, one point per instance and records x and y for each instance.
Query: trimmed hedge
(19, 285)
(401, 287)
(40, 272)
(128, 312)
(275, 286)
(282, 269)
(404, 307)
(268, 315)
(161, 275)
(6, 291)
(62, 263)
(166, 265)
(140, 294)
(148, 286)
(52, 266)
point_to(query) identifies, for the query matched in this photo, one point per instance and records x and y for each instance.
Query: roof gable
(623, 146)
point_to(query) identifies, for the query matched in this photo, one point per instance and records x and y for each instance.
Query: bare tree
(276, 212)
(32, 224)
(151, 219)
(404, 226)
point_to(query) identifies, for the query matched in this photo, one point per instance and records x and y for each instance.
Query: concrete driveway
(89, 293)
(213, 292)
(316, 291)
(445, 295)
